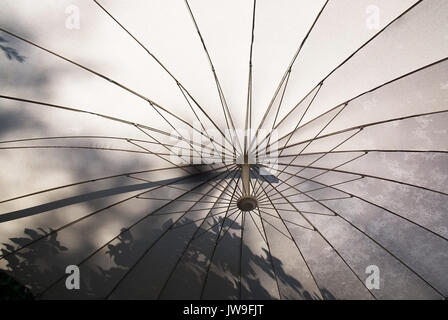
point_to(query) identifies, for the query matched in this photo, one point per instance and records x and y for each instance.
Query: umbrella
(224, 149)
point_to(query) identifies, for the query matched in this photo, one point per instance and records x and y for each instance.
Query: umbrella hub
(247, 203)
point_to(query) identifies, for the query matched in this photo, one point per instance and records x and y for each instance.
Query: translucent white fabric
(95, 96)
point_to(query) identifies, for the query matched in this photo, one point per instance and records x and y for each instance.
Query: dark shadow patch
(10, 52)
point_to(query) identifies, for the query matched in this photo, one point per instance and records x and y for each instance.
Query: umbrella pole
(247, 202)
(245, 177)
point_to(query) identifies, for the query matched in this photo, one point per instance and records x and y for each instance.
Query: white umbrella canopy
(95, 97)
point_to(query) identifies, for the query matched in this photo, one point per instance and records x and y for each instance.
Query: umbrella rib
(335, 147)
(232, 212)
(157, 107)
(367, 92)
(265, 199)
(280, 218)
(77, 147)
(326, 240)
(217, 185)
(264, 203)
(222, 98)
(338, 145)
(128, 271)
(201, 219)
(352, 55)
(216, 244)
(174, 212)
(320, 188)
(366, 125)
(261, 219)
(293, 240)
(173, 127)
(87, 148)
(178, 83)
(371, 150)
(326, 171)
(227, 202)
(297, 125)
(180, 200)
(146, 149)
(239, 192)
(259, 231)
(292, 63)
(211, 65)
(371, 176)
(295, 211)
(227, 168)
(279, 105)
(376, 205)
(189, 142)
(268, 136)
(211, 183)
(307, 201)
(225, 189)
(192, 210)
(174, 187)
(258, 191)
(265, 238)
(230, 226)
(260, 198)
(191, 145)
(193, 237)
(205, 130)
(303, 115)
(250, 213)
(220, 238)
(85, 217)
(248, 122)
(86, 181)
(269, 250)
(116, 237)
(323, 155)
(66, 108)
(376, 242)
(151, 152)
(243, 221)
(88, 137)
(385, 249)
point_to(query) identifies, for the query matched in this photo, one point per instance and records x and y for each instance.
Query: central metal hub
(247, 203)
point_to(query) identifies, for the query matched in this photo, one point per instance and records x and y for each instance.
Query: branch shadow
(29, 268)
(29, 271)
(10, 52)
